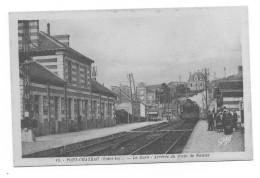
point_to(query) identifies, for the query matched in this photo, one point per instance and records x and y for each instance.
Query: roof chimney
(240, 70)
(48, 29)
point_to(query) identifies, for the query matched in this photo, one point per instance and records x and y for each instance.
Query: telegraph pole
(139, 105)
(132, 77)
(177, 96)
(129, 77)
(120, 93)
(206, 87)
(171, 103)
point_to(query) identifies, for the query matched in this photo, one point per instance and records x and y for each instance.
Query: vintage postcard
(130, 86)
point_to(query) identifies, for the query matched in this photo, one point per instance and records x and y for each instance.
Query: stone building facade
(196, 81)
(76, 104)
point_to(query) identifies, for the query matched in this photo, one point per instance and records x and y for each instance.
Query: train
(189, 111)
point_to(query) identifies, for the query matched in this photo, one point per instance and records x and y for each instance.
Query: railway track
(92, 148)
(158, 142)
(171, 142)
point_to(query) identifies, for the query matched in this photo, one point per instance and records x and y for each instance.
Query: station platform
(52, 141)
(205, 141)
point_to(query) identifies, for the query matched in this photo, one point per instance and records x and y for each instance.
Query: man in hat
(227, 121)
(235, 120)
(214, 125)
(210, 121)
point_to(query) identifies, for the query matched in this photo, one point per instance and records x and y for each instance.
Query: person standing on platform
(214, 125)
(210, 121)
(227, 121)
(235, 121)
(218, 122)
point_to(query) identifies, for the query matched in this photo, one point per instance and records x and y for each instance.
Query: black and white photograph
(130, 86)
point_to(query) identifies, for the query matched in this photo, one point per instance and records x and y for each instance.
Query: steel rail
(91, 144)
(175, 142)
(156, 127)
(160, 137)
(151, 142)
(127, 140)
(119, 143)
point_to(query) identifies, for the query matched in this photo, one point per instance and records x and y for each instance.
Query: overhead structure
(28, 39)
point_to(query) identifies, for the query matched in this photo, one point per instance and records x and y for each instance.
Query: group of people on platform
(223, 120)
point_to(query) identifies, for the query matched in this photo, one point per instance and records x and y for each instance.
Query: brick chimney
(240, 70)
(48, 29)
(64, 39)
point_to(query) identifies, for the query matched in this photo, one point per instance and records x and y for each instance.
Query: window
(62, 106)
(69, 108)
(94, 108)
(46, 60)
(69, 72)
(78, 74)
(86, 108)
(75, 107)
(98, 108)
(110, 108)
(86, 76)
(45, 105)
(103, 108)
(51, 66)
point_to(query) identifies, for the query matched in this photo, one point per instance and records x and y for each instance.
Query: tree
(181, 88)
(164, 94)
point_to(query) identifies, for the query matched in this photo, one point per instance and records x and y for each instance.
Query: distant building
(147, 93)
(138, 108)
(150, 96)
(122, 92)
(125, 102)
(228, 92)
(141, 92)
(196, 81)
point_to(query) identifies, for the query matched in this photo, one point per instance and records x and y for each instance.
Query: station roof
(231, 85)
(47, 44)
(197, 76)
(41, 74)
(100, 89)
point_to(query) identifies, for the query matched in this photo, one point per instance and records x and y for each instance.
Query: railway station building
(64, 97)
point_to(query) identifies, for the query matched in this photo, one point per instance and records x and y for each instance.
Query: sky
(156, 45)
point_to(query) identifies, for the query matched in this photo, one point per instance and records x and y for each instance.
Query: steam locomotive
(189, 111)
